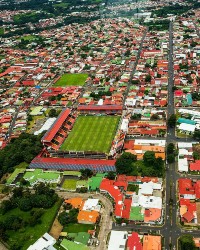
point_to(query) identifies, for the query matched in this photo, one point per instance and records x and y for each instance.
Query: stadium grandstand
(72, 164)
(101, 109)
(55, 136)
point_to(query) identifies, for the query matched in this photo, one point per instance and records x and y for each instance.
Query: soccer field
(71, 80)
(92, 133)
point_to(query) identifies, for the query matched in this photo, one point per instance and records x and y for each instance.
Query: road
(13, 122)
(134, 67)
(106, 219)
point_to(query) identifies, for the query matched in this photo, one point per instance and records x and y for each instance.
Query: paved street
(134, 66)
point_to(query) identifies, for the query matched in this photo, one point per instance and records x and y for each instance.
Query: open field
(1, 31)
(71, 80)
(69, 184)
(29, 235)
(92, 133)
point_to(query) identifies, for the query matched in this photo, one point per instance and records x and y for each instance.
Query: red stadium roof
(74, 161)
(56, 126)
(100, 107)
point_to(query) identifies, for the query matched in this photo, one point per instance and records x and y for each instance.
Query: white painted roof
(46, 242)
(117, 240)
(187, 127)
(183, 165)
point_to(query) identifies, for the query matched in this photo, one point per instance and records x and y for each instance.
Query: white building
(91, 204)
(188, 128)
(152, 142)
(118, 240)
(183, 165)
(124, 126)
(147, 188)
(46, 242)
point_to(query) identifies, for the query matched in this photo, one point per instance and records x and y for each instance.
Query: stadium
(79, 135)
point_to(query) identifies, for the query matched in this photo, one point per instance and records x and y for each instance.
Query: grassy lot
(69, 184)
(14, 175)
(72, 80)
(1, 31)
(28, 37)
(63, 5)
(28, 235)
(76, 228)
(92, 133)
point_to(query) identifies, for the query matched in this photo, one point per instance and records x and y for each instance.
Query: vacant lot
(92, 133)
(76, 228)
(72, 80)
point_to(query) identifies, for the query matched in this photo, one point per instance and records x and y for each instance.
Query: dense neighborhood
(99, 125)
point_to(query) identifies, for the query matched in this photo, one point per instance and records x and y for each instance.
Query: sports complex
(77, 141)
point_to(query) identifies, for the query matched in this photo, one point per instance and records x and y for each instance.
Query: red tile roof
(185, 186)
(126, 209)
(188, 216)
(114, 191)
(195, 166)
(133, 242)
(56, 126)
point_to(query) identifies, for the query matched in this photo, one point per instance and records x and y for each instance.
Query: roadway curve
(106, 219)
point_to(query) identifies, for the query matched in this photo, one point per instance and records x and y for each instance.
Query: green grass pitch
(92, 133)
(71, 80)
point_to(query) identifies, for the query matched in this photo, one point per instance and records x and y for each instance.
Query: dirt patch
(56, 229)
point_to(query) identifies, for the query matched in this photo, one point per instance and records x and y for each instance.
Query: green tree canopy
(22, 149)
(124, 163)
(187, 242)
(172, 121)
(149, 158)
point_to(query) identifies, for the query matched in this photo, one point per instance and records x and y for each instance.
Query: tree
(71, 217)
(111, 175)
(52, 113)
(18, 192)
(149, 158)
(171, 158)
(124, 163)
(147, 78)
(155, 117)
(170, 148)
(23, 182)
(196, 134)
(25, 204)
(85, 173)
(6, 205)
(135, 81)
(196, 156)
(172, 121)
(21, 149)
(174, 88)
(187, 242)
